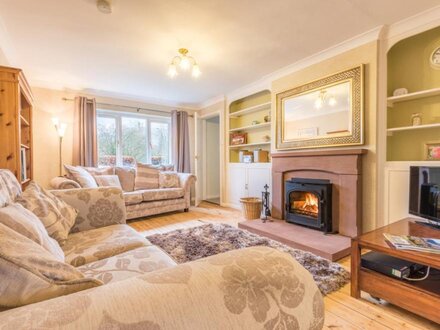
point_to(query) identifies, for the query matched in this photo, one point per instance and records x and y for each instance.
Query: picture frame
(327, 112)
(432, 151)
(238, 139)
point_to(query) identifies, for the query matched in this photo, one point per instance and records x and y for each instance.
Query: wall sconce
(61, 130)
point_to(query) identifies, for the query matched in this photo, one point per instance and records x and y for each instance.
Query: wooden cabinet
(247, 180)
(16, 105)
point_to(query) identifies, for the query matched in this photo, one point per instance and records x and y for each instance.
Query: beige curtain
(85, 150)
(180, 138)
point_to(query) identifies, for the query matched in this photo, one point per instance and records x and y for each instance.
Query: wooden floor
(342, 311)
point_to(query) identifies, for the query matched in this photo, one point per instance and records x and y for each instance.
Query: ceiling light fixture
(104, 6)
(184, 63)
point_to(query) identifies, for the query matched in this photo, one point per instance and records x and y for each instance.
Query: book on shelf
(414, 243)
(23, 164)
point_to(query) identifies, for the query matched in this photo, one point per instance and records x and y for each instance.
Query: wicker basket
(251, 207)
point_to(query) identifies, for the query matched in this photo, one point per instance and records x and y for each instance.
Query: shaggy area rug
(198, 242)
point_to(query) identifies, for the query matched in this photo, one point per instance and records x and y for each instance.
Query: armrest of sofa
(97, 207)
(186, 180)
(251, 288)
(61, 182)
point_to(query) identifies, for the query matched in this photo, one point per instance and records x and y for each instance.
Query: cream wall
(3, 60)
(49, 103)
(368, 55)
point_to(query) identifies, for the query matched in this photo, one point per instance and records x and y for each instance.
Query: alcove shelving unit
(250, 115)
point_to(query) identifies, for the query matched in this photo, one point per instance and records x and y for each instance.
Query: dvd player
(389, 266)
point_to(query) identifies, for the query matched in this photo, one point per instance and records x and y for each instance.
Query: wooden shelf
(25, 181)
(250, 127)
(249, 110)
(24, 122)
(413, 96)
(408, 128)
(249, 145)
(24, 146)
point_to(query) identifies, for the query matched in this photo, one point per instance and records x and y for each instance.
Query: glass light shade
(332, 101)
(55, 121)
(172, 70)
(318, 103)
(196, 71)
(184, 63)
(62, 129)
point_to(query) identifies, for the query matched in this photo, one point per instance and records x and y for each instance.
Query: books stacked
(414, 243)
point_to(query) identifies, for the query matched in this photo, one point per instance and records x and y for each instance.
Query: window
(124, 139)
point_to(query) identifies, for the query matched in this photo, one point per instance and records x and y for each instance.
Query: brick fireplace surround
(344, 170)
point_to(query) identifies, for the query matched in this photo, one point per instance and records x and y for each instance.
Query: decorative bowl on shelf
(400, 92)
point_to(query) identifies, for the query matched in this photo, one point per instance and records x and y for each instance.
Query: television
(424, 193)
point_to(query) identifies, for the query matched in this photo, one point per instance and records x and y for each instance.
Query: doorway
(211, 159)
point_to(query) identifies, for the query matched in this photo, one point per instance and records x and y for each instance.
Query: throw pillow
(57, 216)
(147, 177)
(24, 222)
(80, 175)
(108, 181)
(169, 180)
(31, 274)
(108, 170)
(127, 176)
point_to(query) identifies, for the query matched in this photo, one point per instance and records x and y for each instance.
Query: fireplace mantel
(342, 167)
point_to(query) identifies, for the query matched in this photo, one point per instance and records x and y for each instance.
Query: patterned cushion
(161, 194)
(57, 216)
(27, 224)
(126, 176)
(94, 171)
(169, 180)
(107, 181)
(80, 175)
(132, 263)
(30, 274)
(96, 244)
(147, 177)
(9, 187)
(133, 197)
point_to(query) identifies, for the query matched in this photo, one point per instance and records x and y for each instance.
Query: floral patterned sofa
(147, 200)
(138, 286)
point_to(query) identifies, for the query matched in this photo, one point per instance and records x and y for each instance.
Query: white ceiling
(69, 44)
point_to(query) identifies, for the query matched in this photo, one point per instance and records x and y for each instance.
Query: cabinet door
(237, 184)
(257, 179)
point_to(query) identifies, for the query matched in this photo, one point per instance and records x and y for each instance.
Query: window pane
(160, 143)
(134, 140)
(106, 127)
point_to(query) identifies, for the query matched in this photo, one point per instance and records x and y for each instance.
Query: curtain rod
(138, 109)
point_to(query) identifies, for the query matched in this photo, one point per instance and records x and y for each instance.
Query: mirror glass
(319, 113)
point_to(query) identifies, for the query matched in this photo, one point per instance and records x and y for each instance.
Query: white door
(198, 158)
(257, 179)
(237, 184)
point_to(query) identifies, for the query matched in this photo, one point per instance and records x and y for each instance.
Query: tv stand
(429, 224)
(422, 297)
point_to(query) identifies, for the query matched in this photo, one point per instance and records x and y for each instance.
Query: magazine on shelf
(414, 243)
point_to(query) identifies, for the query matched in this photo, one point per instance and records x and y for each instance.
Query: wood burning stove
(309, 203)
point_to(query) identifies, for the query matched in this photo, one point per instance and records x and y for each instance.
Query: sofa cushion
(96, 244)
(147, 177)
(128, 264)
(24, 222)
(9, 187)
(133, 197)
(162, 194)
(30, 274)
(56, 215)
(126, 176)
(95, 171)
(80, 175)
(169, 180)
(108, 181)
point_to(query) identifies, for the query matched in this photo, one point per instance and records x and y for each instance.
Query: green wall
(409, 67)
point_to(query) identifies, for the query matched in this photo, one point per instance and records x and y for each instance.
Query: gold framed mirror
(324, 113)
